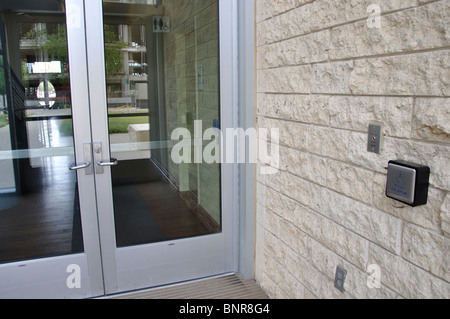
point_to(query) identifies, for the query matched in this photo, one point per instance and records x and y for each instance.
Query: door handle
(98, 159)
(112, 162)
(87, 160)
(81, 166)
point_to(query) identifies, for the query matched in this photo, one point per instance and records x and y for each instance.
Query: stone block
(315, 281)
(323, 14)
(356, 281)
(309, 109)
(295, 187)
(328, 142)
(296, 79)
(299, 50)
(411, 74)
(427, 249)
(360, 218)
(334, 236)
(408, 280)
(292, 134)
(305, 165)
(431, 119)
(349, 180)
(357, 112)
(332, 77)
(408, 30)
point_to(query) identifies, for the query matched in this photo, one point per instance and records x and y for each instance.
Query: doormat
(135, 225)
(134, 222)
(77, 232)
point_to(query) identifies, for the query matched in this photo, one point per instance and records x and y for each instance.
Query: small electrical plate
(339, 279)
(374, 140)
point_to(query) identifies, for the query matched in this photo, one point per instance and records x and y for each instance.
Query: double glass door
(94, 198)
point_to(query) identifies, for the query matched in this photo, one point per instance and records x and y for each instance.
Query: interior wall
(191, 68)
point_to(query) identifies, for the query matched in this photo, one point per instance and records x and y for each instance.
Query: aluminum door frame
(48, 277)
(139, 267)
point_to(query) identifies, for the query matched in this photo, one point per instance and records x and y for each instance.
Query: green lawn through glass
(117, 125)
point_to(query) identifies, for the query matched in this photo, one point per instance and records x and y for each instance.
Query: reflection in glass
(46, 94)
(157, 82)
(39, 208)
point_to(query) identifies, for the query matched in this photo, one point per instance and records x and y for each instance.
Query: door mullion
(99, 128)
(76, 39)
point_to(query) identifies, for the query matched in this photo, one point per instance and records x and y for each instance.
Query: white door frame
(151, 265)
(246, 120)
(47, 277)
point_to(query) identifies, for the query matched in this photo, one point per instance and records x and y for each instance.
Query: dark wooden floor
(42, 222)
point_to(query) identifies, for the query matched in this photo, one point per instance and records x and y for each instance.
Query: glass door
(48, 224)
(110, 145)
(157, 116)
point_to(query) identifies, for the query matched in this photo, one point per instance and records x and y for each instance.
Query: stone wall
(325, 70)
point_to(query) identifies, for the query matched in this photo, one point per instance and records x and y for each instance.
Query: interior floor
(45, 221)
(147, 208)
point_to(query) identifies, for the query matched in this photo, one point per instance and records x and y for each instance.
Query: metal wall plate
(339, 279)
(88, 158)
(98, 157)
(374, 141)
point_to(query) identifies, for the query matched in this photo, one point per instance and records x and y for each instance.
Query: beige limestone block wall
(325, 71)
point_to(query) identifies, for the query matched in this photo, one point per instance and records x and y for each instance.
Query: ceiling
(30, 6)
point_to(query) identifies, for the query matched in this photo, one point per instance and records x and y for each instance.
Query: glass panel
(39, 208)
(162, 68)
